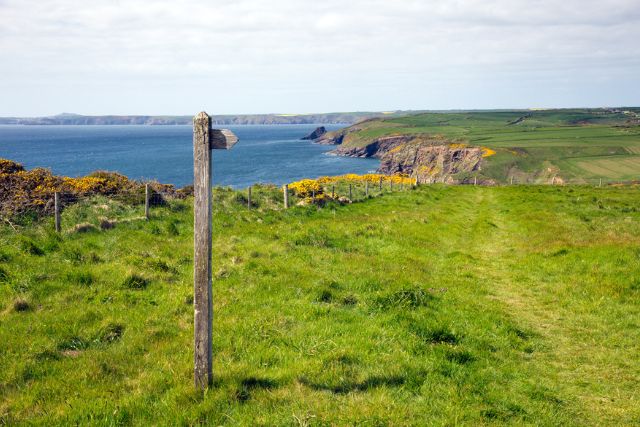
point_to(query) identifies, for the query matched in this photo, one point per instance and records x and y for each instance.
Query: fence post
(366, 188)
(380, 184)
(285, 190)
(204, 140)
(350, 193)
(391, 183)
(249, 198)
(333, 191)
(600, 185)
(146, 201)
(475, 181)
(56, 206)
(511, 180)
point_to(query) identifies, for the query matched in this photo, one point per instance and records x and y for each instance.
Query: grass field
(531, 145)
(441, 305)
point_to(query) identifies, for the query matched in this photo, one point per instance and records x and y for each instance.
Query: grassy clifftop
(577, 145)
(439, 305)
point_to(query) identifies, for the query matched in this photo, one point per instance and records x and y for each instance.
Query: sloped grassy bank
(439, 305)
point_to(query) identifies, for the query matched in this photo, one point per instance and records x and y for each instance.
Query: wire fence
(89, 211)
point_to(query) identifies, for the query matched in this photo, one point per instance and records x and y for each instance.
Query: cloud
(254, 49)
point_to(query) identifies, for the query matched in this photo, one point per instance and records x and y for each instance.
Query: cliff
(423, 157)
(317, 133)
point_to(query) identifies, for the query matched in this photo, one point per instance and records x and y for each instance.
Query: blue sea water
(265, 153)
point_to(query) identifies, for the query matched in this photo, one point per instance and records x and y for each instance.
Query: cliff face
(317, 133)
(419, 156)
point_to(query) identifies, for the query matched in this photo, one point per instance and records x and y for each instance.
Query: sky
(300, 56)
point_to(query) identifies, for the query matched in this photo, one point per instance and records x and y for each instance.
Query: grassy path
(586, 322)
(441, 306)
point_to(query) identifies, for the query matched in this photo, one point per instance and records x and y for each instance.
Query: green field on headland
(439, 305)
(576, 145)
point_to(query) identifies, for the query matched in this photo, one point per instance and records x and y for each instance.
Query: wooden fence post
(204, 140)
(249, 198)
(511, 180)
(600, 183)
(380, 184)
(285, 190)
(366, 188)
(56, 206)
(475, 181)
(350, 193)
(333, 191)
(146, 201)
(391, 184)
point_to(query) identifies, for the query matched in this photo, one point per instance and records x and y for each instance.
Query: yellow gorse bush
(487, 152)
(307, 187)
(33, 190)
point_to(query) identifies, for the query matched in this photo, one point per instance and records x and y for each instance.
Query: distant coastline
(239, 119)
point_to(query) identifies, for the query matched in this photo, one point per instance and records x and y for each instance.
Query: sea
(265, 153)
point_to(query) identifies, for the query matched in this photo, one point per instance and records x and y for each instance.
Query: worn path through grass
(439, 306)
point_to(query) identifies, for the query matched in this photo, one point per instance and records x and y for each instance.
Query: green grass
(441, 305)
(543, 144)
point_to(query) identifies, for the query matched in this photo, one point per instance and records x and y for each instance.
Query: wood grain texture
(146, 201)
(56, 203)
(285, 191)
(202, 290)
(222, 139)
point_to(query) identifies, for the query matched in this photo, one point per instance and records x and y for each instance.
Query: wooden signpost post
(205, 139)
(285, 193)
(56, 203)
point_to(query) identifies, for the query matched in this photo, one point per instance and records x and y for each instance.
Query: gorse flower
(308, 187)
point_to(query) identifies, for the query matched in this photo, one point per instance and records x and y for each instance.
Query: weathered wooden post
(350, 193)
(475, 181)
(249, 197)
(146, 201)
(380, 184)
(391, 183)
(204, 140)
(333, 191)
(366, 188)
(600, 185)
(56, 207)
(511, 180)
(285, 191)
